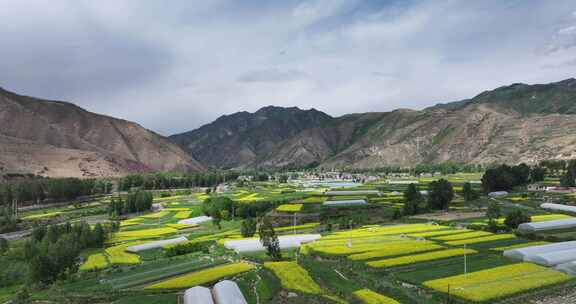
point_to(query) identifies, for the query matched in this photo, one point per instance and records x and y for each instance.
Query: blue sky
(175, 65)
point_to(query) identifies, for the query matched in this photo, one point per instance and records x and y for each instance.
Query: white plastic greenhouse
(228, 292)
(520, 253)
(558, 207)
(547, 225)
(286, 241)
(568, 268)
(345, 203)
(552, 258)
(156, 244)
(351, 192)
(195, 220)
(198, 295)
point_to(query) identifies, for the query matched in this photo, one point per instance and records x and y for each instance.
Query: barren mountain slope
(33, 128)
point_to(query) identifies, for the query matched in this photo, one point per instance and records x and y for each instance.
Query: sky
(175, 65)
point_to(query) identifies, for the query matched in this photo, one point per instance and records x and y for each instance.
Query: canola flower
(490, 238)
(94, 262)
(399, 248)
(463, 236)
(368, 296)
(118, 256)
(203, 276)
(289, 208)
(498, 282)
(416, 258)
(183, 214)
(140, 234)
(293, 277)
(517, 246)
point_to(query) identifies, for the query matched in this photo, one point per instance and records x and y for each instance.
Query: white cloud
(172, 68)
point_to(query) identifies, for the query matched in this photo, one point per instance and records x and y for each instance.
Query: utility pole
(465, 264)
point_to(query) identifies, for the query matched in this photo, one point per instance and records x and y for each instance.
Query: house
(537, 187)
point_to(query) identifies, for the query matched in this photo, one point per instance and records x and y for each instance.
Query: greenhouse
(547, 225)
(351, 192)
(195, 220)
(568, 268)
(156, 244)
(521, 253)
(286, 241)
(552, 258)
(345, 203)
(558, 207)
(198, 295)
(228, 292)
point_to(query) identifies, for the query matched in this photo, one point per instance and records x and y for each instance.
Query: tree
(440, 195)
(537, 174)
(493, 212)
(569, 178)
(515, 218)
(412, 200)
(269, 239)
(4, 246)
(248, 228)
(468, 193)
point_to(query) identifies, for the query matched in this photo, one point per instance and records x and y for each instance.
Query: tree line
(505, 178)
(134, 201)
(53, 252)
(42, 190)
(164, 180)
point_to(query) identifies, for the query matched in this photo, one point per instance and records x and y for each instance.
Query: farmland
(362, 253)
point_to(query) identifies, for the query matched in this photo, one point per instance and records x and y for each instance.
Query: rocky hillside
(53, 138)
(516, 123)
(244, 139)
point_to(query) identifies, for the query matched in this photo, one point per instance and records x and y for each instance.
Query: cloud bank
(175, 65)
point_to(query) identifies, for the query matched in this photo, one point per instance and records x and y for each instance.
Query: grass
(203, 276)
(42, 215)
(183, 214)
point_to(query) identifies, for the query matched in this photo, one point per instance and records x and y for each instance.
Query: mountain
(54, 138)
(515, 123)
(244, 139)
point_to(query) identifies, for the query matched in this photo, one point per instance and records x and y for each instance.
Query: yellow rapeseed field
(140, 234)
(463, 236)
(203, 276)
(368, 296)
(156, 215)
(416, 258)
(516, 246)
(183, 214)
(289, 208)
(95, 261)
(399, 248)
(489, 238)
(118, 256)
(294, 277)
(498, 282)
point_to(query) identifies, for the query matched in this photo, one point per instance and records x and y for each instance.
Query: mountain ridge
(482, 129)
(80, 143)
